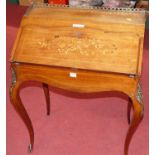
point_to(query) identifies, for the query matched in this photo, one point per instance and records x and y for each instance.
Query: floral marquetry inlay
(78, 45)
(43, 43)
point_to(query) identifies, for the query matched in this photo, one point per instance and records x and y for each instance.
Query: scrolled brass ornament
(139, 97)
(13, 80)
(139, 94)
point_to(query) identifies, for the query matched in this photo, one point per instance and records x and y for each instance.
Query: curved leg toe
(30, 148)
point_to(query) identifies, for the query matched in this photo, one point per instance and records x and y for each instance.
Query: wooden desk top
(94, 39)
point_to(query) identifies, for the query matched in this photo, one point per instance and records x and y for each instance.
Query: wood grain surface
(82, 38)
(85, 81)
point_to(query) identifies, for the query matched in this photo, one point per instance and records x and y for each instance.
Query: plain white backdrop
(3, 78)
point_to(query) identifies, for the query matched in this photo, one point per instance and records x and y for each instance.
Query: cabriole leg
(138, 108)
(17, 103)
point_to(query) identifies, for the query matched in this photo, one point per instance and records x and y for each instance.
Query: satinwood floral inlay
(80, 45)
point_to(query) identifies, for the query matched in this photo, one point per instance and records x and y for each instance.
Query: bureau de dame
(84, 50)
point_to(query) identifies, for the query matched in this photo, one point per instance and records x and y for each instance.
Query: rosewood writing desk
(84, 50)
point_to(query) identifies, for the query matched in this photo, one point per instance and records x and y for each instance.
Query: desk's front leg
(17, 103)
(138, 107)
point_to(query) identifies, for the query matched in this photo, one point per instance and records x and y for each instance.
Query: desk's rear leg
(129, 109)
(17, 103)
(47, 97)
